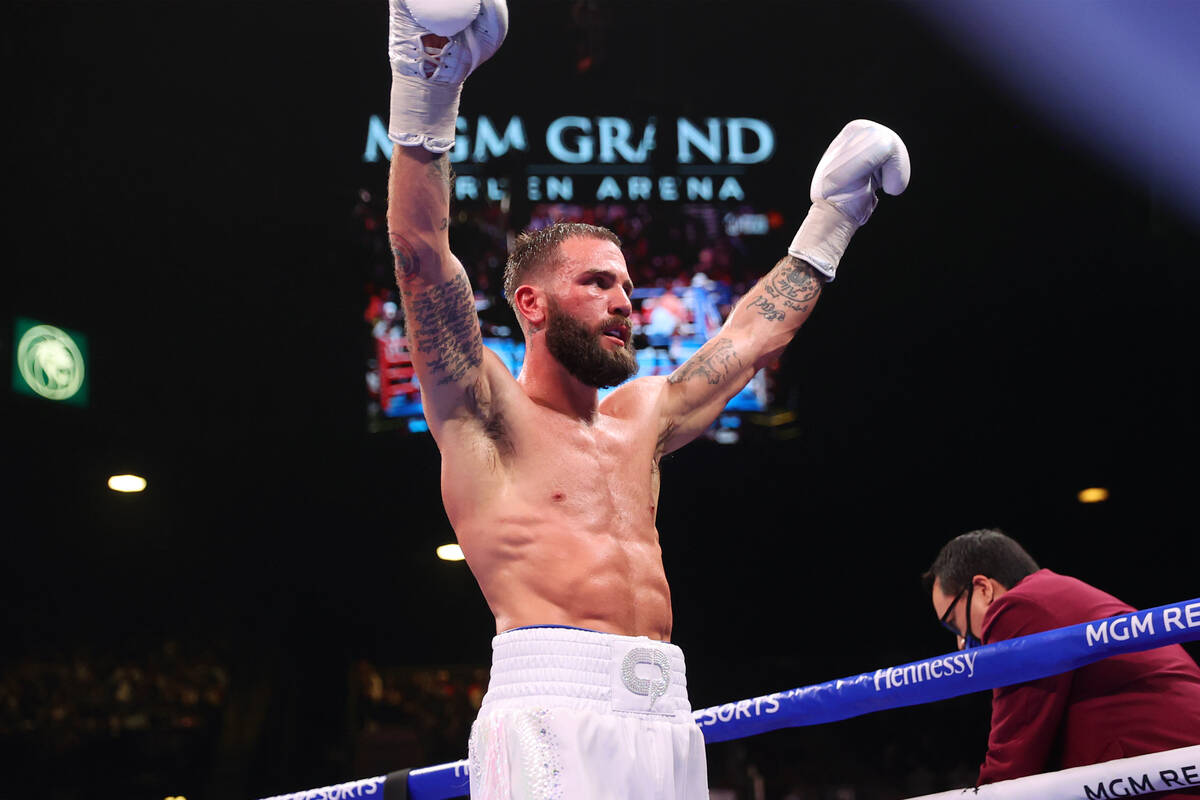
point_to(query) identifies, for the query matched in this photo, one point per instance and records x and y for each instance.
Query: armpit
(485, 412)
(660, 447)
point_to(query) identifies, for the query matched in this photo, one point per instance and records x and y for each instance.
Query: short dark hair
(536, 248)
(987, 551)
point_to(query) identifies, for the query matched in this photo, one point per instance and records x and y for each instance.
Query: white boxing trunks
(574, 714)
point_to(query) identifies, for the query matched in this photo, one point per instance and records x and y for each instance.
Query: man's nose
(619, 303)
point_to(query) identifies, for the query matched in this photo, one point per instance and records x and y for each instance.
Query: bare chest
(605, 470)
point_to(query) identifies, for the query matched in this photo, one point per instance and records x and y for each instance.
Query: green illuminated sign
(49, 362)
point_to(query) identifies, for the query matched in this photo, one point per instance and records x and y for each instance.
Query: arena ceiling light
(1093, 494)
(450, 552)
(127, 483)
(1058, 57)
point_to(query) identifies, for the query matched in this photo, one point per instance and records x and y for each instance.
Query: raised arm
(863, 157)
(432, 48)
(439, 306)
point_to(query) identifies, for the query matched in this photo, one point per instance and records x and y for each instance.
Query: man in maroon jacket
(986, 588)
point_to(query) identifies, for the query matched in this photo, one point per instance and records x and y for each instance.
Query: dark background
(179, 183)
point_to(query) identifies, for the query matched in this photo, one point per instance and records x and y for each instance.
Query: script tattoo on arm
(791, 285)
(714, 363)
(446, 330)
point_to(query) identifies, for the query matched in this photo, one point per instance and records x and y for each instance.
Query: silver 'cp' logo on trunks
(646, 687)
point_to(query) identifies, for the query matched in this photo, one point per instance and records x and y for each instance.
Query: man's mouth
(618, 332)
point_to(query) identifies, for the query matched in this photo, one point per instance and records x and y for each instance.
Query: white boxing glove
(427, 81)
(863, 157)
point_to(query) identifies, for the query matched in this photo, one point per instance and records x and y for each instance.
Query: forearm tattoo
(791, 285)
(715, 362)
(443, 327)
(404, 257)
(440, 169)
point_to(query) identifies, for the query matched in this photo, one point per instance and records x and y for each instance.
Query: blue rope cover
(1024, 658)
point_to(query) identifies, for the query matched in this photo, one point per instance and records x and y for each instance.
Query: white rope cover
(1170, 770)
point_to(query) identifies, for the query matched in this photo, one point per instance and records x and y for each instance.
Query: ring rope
(1004, 663)
(1123, 777)
(1016, 660)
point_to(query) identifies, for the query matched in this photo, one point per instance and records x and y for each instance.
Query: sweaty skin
(551, 493)
(556, 517)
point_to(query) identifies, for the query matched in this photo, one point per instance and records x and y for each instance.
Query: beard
(583, 355)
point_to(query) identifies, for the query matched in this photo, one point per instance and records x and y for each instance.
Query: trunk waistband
(572, 667)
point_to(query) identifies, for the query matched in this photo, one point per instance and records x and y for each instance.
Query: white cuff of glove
(430, 108)
(823, 238)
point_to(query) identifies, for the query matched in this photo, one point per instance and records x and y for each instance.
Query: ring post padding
(1024, 658)
(395, 785)
(1108, 780)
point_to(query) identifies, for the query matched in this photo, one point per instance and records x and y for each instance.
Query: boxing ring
(962, 672)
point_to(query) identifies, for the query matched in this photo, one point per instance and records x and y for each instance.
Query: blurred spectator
(667, 315)
(152, 715)
(414, 716)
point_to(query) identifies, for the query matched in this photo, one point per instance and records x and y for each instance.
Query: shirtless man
(552, 493)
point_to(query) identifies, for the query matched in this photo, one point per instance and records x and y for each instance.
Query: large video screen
(694, 244)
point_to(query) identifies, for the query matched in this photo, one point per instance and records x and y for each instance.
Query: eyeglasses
(968, 639)
(945, 620)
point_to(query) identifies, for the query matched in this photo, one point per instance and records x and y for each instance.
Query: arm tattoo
(407, 265)
(660, 448)
(404, 255)
(443, 327)
(791, 285)
(440, 170)
(714, 362)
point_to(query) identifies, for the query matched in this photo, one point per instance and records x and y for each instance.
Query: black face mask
(580, 351)
(969, 638)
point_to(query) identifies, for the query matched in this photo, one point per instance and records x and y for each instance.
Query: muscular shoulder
(637, 400)
(641, 404)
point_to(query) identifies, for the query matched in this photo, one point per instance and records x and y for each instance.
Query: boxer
(552, 493)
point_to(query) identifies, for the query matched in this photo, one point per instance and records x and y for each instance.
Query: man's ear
(986, 586)
(530, 303)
